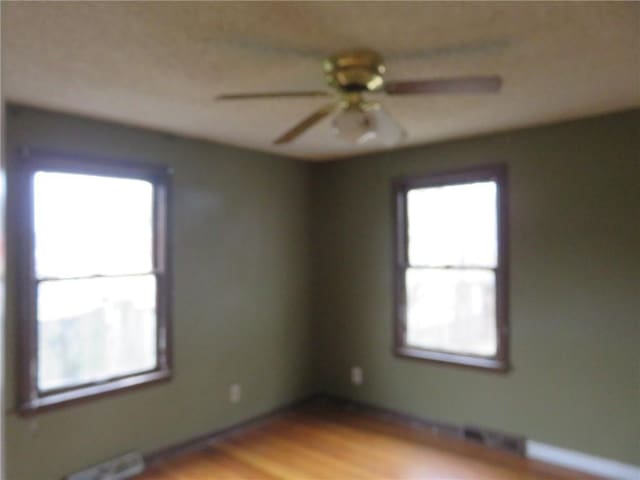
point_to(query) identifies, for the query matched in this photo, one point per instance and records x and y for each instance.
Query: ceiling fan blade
(305, 124)
(249, 96)
(473, 84)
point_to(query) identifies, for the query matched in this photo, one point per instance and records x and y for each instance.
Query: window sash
(96, 276)
(27, 164)
(494, 271)
(73, 386)
(431, 232)
(451, 267)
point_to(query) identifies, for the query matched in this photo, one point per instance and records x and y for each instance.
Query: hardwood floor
(333, 443)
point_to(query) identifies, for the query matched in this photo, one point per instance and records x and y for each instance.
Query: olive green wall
(575, 287)
(241, 299)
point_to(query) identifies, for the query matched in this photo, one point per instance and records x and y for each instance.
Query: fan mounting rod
(355, 71)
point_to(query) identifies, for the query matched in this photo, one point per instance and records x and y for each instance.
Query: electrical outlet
(357, 375)
(235, 393)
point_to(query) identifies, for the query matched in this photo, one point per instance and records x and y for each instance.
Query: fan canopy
(355, 71)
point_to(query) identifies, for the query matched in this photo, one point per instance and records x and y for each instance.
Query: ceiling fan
(351, 75)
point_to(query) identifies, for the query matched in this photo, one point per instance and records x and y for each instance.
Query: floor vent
(497, 440)
(120, 468)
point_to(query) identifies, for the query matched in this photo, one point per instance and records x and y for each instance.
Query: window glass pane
(453, 225)
(94, 329)
(87, 224)
(451, 310)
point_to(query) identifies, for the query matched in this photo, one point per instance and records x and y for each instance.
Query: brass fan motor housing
(355, 71)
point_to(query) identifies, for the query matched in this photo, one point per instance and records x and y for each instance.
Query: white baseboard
(582, 462)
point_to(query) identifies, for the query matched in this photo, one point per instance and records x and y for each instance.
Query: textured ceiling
(161, 64)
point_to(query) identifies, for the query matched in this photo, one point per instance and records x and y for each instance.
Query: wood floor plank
(263, 446)
(329, 443)
(200, 465)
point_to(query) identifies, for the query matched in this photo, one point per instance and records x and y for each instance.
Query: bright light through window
(89, 225)
(96, 288)
(450, 304)
(450, 267)
(453, 225)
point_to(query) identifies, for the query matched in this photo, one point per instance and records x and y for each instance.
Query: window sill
(74, 395)
(497, 365)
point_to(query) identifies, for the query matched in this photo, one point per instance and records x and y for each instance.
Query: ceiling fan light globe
(388, 131)
(353, 125)
(367, 123)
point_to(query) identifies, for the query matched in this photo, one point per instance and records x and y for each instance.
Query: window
(95, 277)
(451, 303)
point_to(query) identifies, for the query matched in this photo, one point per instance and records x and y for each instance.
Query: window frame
(30, 399)
(499, 363)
